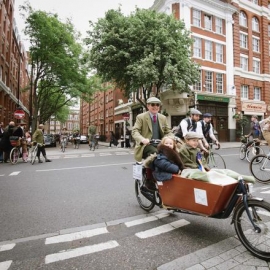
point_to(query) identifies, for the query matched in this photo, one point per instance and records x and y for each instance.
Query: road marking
(121, 153)
(5, 265)
(265, 192)
(162, 229)
(88, 155)
(86, 167)
(7, 247)
(63, 255)
(71, 156)
(105, 154)
(75, 236)
(15, 173)
(145, 220)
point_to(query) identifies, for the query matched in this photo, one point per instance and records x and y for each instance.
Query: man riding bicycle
(63, 137)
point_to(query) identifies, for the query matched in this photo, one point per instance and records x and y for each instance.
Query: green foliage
(145, 50)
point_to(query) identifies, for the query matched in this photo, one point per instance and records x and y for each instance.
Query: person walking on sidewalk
(39, 138)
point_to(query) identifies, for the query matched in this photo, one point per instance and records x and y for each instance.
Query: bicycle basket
(243, 139)
(14, 141)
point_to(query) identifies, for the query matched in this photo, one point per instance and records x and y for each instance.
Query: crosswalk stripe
(15, 173)
(7, 247)
(63, 255)
(71, 156)
(88, 155)
(266, 192)
(5, 265)
(105, 154)
(121, 153)
(162, 229)
(145, 220)
(75, 236)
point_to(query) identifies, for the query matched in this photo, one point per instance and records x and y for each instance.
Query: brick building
(231, 44)
(14, 76)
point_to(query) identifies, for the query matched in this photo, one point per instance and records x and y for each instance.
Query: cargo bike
(250, 215)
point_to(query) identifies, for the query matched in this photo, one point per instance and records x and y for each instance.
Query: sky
(80, 11)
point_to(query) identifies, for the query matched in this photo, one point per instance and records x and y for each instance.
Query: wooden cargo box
(195, 195)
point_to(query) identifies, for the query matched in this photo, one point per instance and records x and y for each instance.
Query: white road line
(64, 255)
(121, 153)
(5, 265)
(7, 247)
(15, 173)
(75, 236)
(145, 220)
(105, 154)
(265, 192)
(71, 156)
(88, 155)
(162, 229)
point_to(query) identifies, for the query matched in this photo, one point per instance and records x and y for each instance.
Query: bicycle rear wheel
(260, 168)
(14, 155)
(143, 201)
(242, 151)
(252, 151)
(33, 155)
(257, 242)
(215, 160)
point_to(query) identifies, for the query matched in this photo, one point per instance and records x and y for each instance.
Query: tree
(144, 51)
(57, 76)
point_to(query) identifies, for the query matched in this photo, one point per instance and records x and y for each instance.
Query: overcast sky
(81, 11)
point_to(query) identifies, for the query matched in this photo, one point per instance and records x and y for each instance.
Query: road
(80, 212)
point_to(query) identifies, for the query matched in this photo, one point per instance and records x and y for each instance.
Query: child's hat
(193, 135)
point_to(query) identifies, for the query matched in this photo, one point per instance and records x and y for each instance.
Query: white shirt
(211, 130)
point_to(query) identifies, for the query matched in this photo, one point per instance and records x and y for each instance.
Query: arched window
(255, 24)
(243, 19)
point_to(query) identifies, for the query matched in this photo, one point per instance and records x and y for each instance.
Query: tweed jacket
(188, 155)
(38, 136)
(143, 130)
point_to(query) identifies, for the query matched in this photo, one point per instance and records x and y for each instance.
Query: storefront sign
(253, 107)
(213, 98)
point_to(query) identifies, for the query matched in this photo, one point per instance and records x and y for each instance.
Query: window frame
(245, 41)
(219, 53)
(244, 92)
(219, 83)
(258, 94)
(196, 17)
(243, 19)
(209, 81)
(255, 24)
(208, 50)
(197, 50)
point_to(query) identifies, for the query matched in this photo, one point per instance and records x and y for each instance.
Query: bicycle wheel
(252, 151)
(256, 242)
(144, 202)
(242, 151)
(260, 168)
(63, 147)
(215, 160)
(14, 155)
(34, 154)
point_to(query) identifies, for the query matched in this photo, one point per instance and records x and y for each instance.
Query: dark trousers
(42, 150)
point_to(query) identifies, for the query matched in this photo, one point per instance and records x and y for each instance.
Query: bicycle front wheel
(215, 160)
(242, 151)
(63, 148)
(253, 151)
(143, 201)
(33, 155)
(257, 242)
(14, 155)
(260, 168)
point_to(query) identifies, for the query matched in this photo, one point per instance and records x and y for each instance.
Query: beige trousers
(266, 135)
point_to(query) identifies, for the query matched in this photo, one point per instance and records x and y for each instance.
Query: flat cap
(255, 116)
(193, 135)
(195, 111)
(40, 125)
(153, 100)
(207, 115)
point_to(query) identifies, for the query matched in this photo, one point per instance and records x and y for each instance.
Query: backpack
(178, 132)
(257, 129)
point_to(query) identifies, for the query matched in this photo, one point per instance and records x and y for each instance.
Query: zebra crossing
(77, 252)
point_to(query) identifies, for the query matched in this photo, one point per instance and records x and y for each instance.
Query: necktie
(154, 118)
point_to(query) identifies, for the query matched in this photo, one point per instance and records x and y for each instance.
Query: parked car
(49, 140)
(83, 139)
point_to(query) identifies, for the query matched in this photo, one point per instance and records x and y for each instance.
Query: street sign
(125, 116)
(19, 114)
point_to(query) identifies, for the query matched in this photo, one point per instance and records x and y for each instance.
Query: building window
(244, 62)
(197, 47)
(255, 44)
(219, 25)
(209, 81)
(208, 50)
(255, 24)
(219, 53)
(243, 19)
(243, 40)
(244, 92)
(219, 83)
(196, 17)
(257, 93)
(208, 22)
(198, 85)
(256, 65)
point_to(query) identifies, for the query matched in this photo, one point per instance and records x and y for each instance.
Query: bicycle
(63, 144)
(252, 150)
(16, 151)
(215, 160)
(34, 152)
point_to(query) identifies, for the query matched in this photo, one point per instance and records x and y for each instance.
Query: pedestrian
(113, 140)
(254, 133)
(127, 139)
(38, 137)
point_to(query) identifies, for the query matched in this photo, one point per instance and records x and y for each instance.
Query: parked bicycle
(215, 160)
(248, 152)
(34, 152)
(16, 152)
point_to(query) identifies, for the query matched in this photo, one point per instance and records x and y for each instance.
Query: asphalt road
(88, 199)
